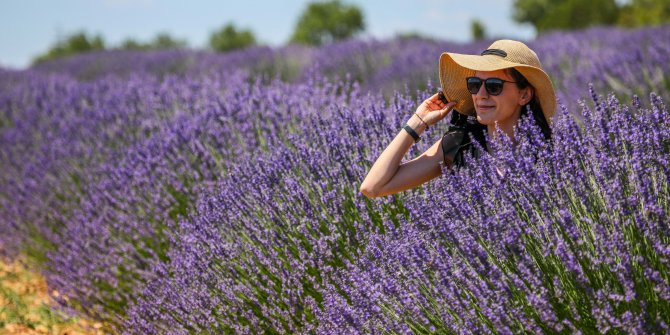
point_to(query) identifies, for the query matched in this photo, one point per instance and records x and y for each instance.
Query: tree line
(324, 22)
(320, 23)
(547, 15)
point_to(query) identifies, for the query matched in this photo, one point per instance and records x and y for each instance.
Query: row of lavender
(135, 110)
(573, 241)
(235, 199)
(625, 61)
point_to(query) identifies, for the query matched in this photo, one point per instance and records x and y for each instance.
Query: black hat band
(496, 52)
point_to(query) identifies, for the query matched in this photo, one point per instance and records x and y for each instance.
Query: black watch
(412, 132)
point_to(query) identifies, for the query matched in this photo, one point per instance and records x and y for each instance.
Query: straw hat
(502, 54)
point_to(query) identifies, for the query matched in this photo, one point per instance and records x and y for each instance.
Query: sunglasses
(494, 86)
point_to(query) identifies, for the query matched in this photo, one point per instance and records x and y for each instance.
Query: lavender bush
(571, 237)
(192, 192)
(263, 241)
(60, 130)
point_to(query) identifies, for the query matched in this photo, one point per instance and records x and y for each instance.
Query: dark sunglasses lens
(474, 84)
(494, 86)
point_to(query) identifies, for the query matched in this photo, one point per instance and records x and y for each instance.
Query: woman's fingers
(437, 104)
(448, 107)
(433, 105)
(433, 98)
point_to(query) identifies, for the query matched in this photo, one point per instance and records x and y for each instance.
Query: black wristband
(413, 133)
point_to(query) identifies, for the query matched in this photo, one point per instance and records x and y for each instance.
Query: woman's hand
(432, 110)
(387, 175)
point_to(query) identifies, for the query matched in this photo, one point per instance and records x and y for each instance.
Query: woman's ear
(526, 95)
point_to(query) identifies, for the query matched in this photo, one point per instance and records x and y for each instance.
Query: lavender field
(188, 192)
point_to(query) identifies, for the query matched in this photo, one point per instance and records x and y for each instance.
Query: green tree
(325, 22)
(160, 41)
(76, 43)
(565, 14)
(230, 38)
(165, 41)
(530, 11)
(478, 30)
(645, 12)
(131, 44)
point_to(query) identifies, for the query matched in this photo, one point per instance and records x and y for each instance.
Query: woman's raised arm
(387, 175)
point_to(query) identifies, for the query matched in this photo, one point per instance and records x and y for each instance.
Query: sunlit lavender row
(187, 192)
(572, 238)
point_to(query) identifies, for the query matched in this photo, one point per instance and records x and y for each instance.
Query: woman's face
(504, 108)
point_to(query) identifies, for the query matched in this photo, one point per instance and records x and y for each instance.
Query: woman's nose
(482, 91)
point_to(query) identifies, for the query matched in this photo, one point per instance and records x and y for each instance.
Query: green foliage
(574, 14)
(76, 43)
(644, 12)
(325, 22)
(165, 41)
(531, 11)
(161, 41)
(478, 30)
(80, 42)
(565, 14)
(131, 44)
(230, 38)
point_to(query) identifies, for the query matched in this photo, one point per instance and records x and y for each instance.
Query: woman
(499, 86)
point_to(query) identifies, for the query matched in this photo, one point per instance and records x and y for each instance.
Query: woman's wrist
(416, 124)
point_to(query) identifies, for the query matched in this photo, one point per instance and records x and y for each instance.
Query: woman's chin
(485, 119)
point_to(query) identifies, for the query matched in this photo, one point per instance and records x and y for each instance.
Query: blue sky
(29, 27)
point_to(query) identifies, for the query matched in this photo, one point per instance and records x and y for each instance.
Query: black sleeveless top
(457, 140)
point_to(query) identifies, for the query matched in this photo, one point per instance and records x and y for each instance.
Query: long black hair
(533, 105)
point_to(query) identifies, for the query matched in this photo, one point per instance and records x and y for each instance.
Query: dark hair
(533, 104)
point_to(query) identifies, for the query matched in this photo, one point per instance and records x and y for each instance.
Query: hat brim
(454, 68)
